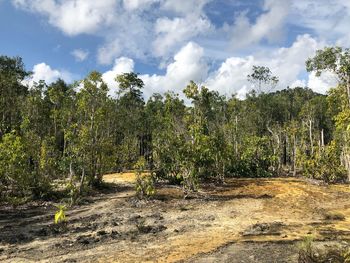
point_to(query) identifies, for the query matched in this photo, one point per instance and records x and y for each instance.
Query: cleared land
(244, 220)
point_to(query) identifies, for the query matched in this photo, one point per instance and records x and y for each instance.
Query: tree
(130, 83)
(14, 170)
(91, 149)
(12, 92)
(130, 119)
(262, 76)
(337, 61)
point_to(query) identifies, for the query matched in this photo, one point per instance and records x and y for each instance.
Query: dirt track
(245, 220)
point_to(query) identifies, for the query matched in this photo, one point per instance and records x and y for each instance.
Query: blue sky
(170, 42)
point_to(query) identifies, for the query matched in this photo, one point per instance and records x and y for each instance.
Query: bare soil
(244, 220)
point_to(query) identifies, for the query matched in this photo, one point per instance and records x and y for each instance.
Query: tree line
(76, 133)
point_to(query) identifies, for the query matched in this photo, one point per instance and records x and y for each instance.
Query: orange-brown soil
(244, 220)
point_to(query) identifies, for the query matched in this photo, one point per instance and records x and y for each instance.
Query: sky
(170, 42)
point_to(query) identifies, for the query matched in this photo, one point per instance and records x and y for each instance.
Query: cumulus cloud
(188, 65)
(323, 83)
(144, 29)
(73, 17)
(154, 30)
(127, 27)
(80, 54)
(286, 63)
(138, 4)
(268, 26)
(186, 7)
(328, 20)
(42, 71)
(170, 32)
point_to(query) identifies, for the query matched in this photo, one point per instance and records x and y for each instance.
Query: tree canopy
(51, 132)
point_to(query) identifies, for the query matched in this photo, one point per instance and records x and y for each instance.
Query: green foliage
(60, 214)
(337, 61)
(12, 93)
(15, 175)
(257, 159)
(144, 181)
(78, 132)
(306, 250)
(73, 192)
(324, 164)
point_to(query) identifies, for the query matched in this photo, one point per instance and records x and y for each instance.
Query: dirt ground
(244, 220)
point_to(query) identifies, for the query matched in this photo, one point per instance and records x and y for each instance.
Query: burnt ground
(244, 220)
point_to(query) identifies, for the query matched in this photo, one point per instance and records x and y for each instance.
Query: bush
(144, 182)
(324, 164)
(15, 175)
(256, 160)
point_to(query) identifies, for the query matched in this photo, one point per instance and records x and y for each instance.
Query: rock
(263, 229)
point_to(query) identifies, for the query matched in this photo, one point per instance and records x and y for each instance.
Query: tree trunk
(310, 137)
(71, 171)
(82, 181)
(295, 156)
(236, 136)
(348, 90)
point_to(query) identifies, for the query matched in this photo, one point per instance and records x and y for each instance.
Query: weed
(60, 215)
(144, 182)
(306, 253)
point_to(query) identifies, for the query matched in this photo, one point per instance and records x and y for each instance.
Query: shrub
(15, 174)
(256, 160)
(60, 215)
(324, 164)
(144, 182)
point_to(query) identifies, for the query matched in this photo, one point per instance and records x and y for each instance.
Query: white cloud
(286, 63)
(186, 7)
(121, 65)
(106, 53)
(137, 4)
(269, 25)
(128, 27)
(298, 83)
(188, 65)
(171, 32)
(73, 17)
(42, 71)
(132, 37)
(327, 19)
(231, 77)
(80, 54)
(155, 29)
(323, 83)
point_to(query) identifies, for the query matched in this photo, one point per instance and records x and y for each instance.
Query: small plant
(60, 215)
(145, 186)
(346, 256)
(73, 192)
(144, 182)
(306, 253)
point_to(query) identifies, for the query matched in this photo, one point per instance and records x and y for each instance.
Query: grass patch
(334, 216)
